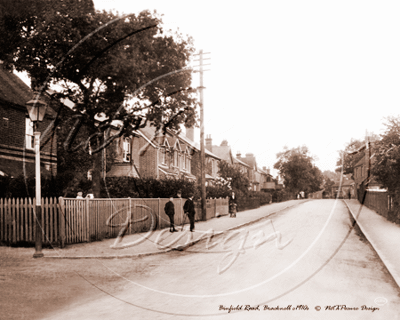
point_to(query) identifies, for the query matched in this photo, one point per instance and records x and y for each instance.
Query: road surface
(306, 262)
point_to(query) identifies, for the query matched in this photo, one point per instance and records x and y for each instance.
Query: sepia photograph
(208, 160)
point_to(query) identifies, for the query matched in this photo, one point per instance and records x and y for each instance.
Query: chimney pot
(209, 143)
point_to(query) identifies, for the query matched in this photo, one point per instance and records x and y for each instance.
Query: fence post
(159, 214)
(130, 215)
(87, 221)
(61, 219)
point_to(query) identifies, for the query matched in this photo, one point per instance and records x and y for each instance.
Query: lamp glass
(36, 110)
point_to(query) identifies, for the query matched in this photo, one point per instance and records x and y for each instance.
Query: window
(29, 137)
(165, 154)
(187, 159)
(177, 155)
(214, 167)
(127, 150)
(188, 164)
(181, 160)
(163, 157)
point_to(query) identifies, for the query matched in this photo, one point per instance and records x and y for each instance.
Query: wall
(12, 139)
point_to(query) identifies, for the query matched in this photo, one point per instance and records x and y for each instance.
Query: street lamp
(37, 110)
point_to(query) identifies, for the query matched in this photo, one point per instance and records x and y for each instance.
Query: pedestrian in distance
(170, 212)
(188, 209)
(232, 205)
(90, 194)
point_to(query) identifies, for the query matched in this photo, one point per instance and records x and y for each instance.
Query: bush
(217, 192)
(265, 197)
(124, 187)
(281, 195)
(22, 187)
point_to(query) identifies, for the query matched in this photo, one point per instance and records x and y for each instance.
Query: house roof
(195, 145)
(13, 89)
(241, 162)
(223, 152)
(251, 162)
(263, 172)
(364, 160)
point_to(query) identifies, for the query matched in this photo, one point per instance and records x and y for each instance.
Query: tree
(297, 170)
(111, 67)
(328, 184)
(238, 180)
(335, 176)
(386, 166)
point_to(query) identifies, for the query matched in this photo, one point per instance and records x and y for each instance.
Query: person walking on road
(170, 212)
(188, 209)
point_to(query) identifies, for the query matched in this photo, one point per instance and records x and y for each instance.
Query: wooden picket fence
(70, 220)
(17, 220)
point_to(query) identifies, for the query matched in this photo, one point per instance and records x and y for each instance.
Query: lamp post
(37, 110)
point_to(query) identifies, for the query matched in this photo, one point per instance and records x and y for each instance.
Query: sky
(290, 73)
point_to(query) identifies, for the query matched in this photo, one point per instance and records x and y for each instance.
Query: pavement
(161, 241)
(383, 235)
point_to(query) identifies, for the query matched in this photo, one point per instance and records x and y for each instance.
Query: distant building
(267, 182)
(224, 152)
(346, 189)
(254, 175)
(260, 179)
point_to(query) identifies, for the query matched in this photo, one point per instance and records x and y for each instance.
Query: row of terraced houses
(148, 154)
(143, 154)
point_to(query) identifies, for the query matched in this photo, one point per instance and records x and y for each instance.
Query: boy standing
(188, 208)
(170, 212)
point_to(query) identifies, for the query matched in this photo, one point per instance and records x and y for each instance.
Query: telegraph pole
(202, 150)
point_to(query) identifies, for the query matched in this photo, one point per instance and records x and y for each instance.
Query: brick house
(171, 155)
(17, 155)
(211, 160)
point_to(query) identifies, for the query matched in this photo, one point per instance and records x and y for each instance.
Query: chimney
(250, 159)
(269, 171)
(238, 155)
(190, 133)
(224, 143)
(209, 143)
(265, 168)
